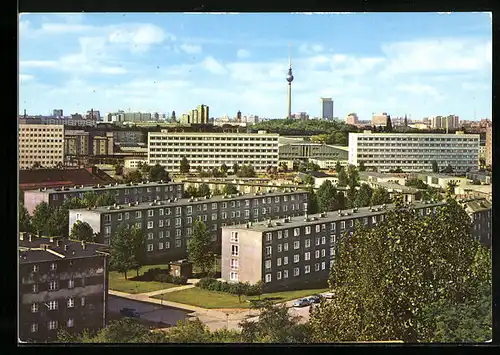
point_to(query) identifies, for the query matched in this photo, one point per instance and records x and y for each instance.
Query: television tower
(289, 78)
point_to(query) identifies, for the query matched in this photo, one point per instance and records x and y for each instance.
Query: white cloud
(38, 64)
(418, 89)
(25, 77)
(242, 53)
(213, 66)
(307, 48)
(190, 48)
(141, 36)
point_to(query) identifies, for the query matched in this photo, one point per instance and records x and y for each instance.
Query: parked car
(315, 298)
(303, 302)
(327, 295)
(129, 312)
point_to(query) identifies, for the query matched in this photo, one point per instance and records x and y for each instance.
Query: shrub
(167, 278)
(211, 284)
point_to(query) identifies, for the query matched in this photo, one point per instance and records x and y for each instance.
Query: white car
(327, 295)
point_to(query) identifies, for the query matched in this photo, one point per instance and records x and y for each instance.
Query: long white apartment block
(414, 152)
(209, 150)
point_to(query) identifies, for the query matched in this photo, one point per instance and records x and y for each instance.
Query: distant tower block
(289, 79)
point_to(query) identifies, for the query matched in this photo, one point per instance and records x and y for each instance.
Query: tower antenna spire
(290, 57)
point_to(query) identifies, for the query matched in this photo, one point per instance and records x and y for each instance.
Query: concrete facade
(62, 285)
(489, 145)
(39, 143)
(441, 181)
(167, 225)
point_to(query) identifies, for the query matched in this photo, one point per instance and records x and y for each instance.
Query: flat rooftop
(394, 186)
(188, 201)
(98, 187)
(440, 176)
(377, 174)
(34, 250)
(328, 217)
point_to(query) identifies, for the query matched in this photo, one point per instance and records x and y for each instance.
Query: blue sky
(422, 64)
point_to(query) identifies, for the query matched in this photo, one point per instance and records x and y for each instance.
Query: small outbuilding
(181, 268)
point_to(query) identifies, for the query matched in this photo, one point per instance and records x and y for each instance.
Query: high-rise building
(211, 150)
(41, 144)
(93, 115)
(76, 144)
(57, 112)
(199, 115)
(327, 108)
(380, 119)
(352, 119)
(414, 152)
(103, 145)
(450, 122)
(489, 145)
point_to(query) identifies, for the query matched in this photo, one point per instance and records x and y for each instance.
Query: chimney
(84, 245)
(65, 247)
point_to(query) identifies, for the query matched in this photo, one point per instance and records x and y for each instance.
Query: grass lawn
(211, 299)
(117, 281)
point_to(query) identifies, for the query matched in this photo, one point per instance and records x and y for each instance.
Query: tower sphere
(289, 77)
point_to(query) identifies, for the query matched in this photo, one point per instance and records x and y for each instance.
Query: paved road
(148, 311)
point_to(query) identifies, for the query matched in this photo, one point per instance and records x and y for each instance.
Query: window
(167, 245)
(268, 264)
(307, 256)
(161, 211)
(160, 246)
(138, 214)
(234, 264)
(127, 215)
(269, 250)
(160, 223)
(150, 236)
(34, 327)
(268, 277)
(36, 268)
(307, 269)
(52, 285)
(323, 240)
(178, 222)
(150, 224)
(278, 275)
(138, 225)
(53, 266)
(34, 288)
(34, 307)
(296, 232)
(296, 258)
(318, 228)
(189, 209)
(332, 251)
(285, 233)
(285, 260)
(224, 204)
(151, 213)
(224, 215)
(233, 276)
(53, 305)
(150, 247)
(296, 244)
(316, 267)
(178, 211)
(234, 237)
(332, 226)
(342, 225)
(316, 254)
(285, 247)
(308, 243)
(167, 223)
(70, 323)
(120, 216)
(318, 241)
(323, 253)
(178, 232)
(214, 206)
(71, 302)
(296, 271)
(351, 223)
(167, 211)
(71, 283)
(234, 250)
(52, 325)
(308, 229)
(280, 234)
(323, 265)
(278, 262)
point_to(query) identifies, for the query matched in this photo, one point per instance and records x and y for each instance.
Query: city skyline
(420, 64)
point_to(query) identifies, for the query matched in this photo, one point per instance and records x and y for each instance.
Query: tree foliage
(199, 247)
(24, 219)
(364, 196)
(127, 249)
(362, 166)
(343, 178)
(246, 171)
(184, 166)
(82, 231)
(133, 176)
(380, 196)
(327, 197)
(435, 167)
(229, 189)
(416, 183)
(384, 277)
(338, 166)
(308, 180)
(352, 176)
(224, 168)
(157, 173)
(203, 190)
(312, 204)
(41, 217)
(191, 191)
(236, 168)
(351, 197)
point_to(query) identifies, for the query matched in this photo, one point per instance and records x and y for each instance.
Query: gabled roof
(35, 178)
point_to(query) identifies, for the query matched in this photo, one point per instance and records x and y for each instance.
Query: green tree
(246, 171)
(362, 166)
(24, 219)
(351, 197)
(157, 173)
(431, 193)
(133, 177)
(118, 169)
(308, 180)
(435, 167)
(90, 198)
(312, 205)
(224, 168)
(338, 166)
(73, 203)
(229, 189)
(353, 176)
(380, 196)
(312, 166)
(476, 182)
(139, 248)
(216, 191)
(326, 195)
(364, 196)
(199, 247)
(82, 231)
(236, 168)
(342, 175)
(448, 169)
(105, 199)
(189, 331)
(123, 244)
(203, 190)
(416, 183)
(184, 167)
(383, 277)
(41, 217)
(302, 167)
(191, 191)
(341, 201)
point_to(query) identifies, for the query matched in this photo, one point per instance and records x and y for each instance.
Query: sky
(419, 64)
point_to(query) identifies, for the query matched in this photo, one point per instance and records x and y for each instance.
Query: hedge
(236, 288)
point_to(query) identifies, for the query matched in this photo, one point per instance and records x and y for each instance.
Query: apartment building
(489, 145)
(73, 121)
(76, 144)
(479, 210)
(42, 144)
(442, 181)
(291, 149)
(123, 193)
(63, 284)
(293, 252)
(211, 150)
(414, 152)
(372, 176)
(448, 122)
(380, 119)
(169, 224)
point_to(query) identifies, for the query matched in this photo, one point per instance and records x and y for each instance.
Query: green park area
(117, 281)
(212, 299)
